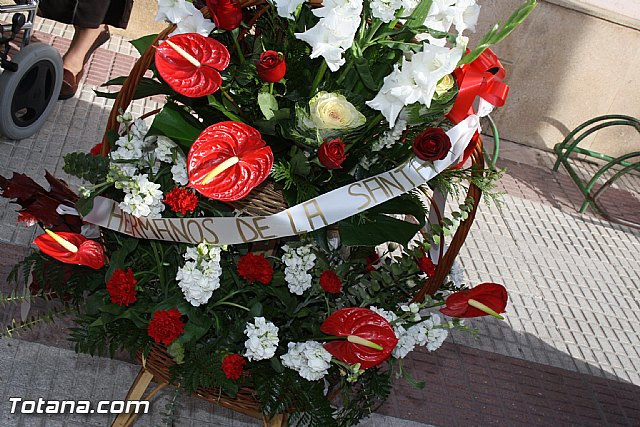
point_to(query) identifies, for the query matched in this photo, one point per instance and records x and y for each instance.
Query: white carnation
(165, 149)
(262, 339)
(406, 343)
(200, 275)
(429, 333)
(310, 359)
(143, 198)
(298, 262)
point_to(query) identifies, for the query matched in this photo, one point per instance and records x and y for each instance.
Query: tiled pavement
(568, 353)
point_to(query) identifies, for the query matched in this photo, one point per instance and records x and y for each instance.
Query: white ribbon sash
(311, 215)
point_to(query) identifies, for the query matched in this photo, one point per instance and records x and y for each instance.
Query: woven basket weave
(265, 200)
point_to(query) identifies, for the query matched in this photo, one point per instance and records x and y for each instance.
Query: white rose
(333, 111)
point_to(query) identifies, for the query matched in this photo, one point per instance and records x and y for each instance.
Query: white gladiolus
(287, 8)
(334, 33)
(195, 22)
(416, 81)
(173, 11)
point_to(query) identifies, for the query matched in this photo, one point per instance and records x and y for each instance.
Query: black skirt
(88, 13)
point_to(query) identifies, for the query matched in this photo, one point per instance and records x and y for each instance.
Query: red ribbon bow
(483, 78)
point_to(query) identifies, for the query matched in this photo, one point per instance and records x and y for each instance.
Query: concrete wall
(566, 66)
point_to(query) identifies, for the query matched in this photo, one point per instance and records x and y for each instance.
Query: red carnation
(233, 365)
(426, 265)
(271, 67)
(330, 282)
(331, 154)
(165, 326)
(181, 200)
(122, 287)
(255, 268)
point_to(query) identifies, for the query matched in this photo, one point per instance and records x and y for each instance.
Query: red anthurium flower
(228, 160)
(369, 337)
(271, 67)
(71, 248)
(190, 62)
(227, 14)
(484, 299)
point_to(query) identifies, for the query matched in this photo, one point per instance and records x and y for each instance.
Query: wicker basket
(158, 362)
(265, 200)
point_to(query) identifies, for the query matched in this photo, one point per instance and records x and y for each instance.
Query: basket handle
(444, 266)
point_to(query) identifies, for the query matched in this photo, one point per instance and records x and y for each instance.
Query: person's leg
(84, 42)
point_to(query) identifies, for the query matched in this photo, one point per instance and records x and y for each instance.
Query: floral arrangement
(342, 110)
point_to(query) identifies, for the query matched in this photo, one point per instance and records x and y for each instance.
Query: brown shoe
(69, 84)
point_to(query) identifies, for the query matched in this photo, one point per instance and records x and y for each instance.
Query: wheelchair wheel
(28, 95)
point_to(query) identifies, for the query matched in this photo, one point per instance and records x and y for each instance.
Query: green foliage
(455, 181)
(109, 338)
(497, 33)
(146, 87)
(175, 122)
(361, 399)
(169, 415)
(378, 227)
(202, 368)
(90, 168)
(26, 295)
(16, 328)
(286, 391)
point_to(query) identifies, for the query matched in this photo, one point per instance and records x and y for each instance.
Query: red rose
(227, 14)
(122, 287)
(427, 266)
(432, 144)
(330, 282)
(233, 365)
(372, 262)
(255, 268)
(181, 200)
(165, 326)
(271, 66)
(331, 154)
